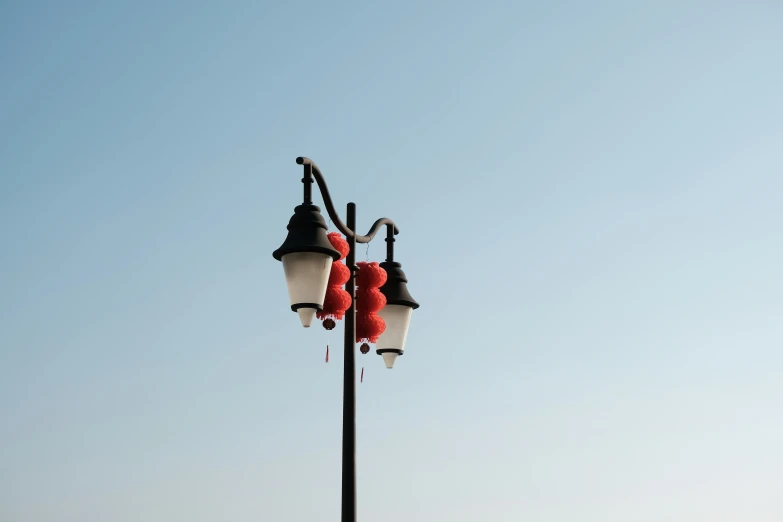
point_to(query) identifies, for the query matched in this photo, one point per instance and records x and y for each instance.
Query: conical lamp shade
(389, 358)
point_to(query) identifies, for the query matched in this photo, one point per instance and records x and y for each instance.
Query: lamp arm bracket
(311, 167)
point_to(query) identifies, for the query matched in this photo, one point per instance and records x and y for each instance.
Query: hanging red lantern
(337, 300)
(371, 275)
(369, 301)
(339, 274)
(369, 327)
(372, 300)
(339, 244)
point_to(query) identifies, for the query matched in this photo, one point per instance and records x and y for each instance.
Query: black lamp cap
(396, 287)
(306, 233)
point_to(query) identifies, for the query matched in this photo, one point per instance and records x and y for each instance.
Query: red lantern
(339, 275)
(371, 275)
(372, 300)
(369, 300)
(337, 300)
(339, 244)
(369, 327)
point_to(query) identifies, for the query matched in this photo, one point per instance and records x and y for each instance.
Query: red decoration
(336, 303)
(369, 300)
(339, 244)
(371, 275)
(337, 300)
(372, 300)
(369, 327)
(339, 274)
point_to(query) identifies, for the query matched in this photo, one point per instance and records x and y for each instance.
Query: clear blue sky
(591, 203)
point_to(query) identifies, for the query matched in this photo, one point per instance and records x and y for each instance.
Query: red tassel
(327, 353)
(361, 379)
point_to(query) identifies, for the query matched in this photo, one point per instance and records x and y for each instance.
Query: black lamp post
(307, 257)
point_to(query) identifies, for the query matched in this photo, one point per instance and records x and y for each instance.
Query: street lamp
(307, 256)
(398, 310)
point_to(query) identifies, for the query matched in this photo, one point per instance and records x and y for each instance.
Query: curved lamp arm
(311, 171)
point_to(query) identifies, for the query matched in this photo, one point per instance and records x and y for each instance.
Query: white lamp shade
(306, 274)
(398, 319)
(306, 315)
(389, 358)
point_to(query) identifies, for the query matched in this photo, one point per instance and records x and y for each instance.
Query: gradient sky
(590, 198)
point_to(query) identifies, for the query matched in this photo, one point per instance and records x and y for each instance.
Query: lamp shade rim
(402, 302)
(283, 250)
(382, 351)
(297, 306)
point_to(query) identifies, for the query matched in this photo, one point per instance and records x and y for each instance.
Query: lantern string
(327, 353)
(367, 253)
(361, 379)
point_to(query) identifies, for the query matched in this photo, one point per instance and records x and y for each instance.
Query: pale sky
(590, 198)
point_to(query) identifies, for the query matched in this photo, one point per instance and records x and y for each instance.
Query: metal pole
(349, 382)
